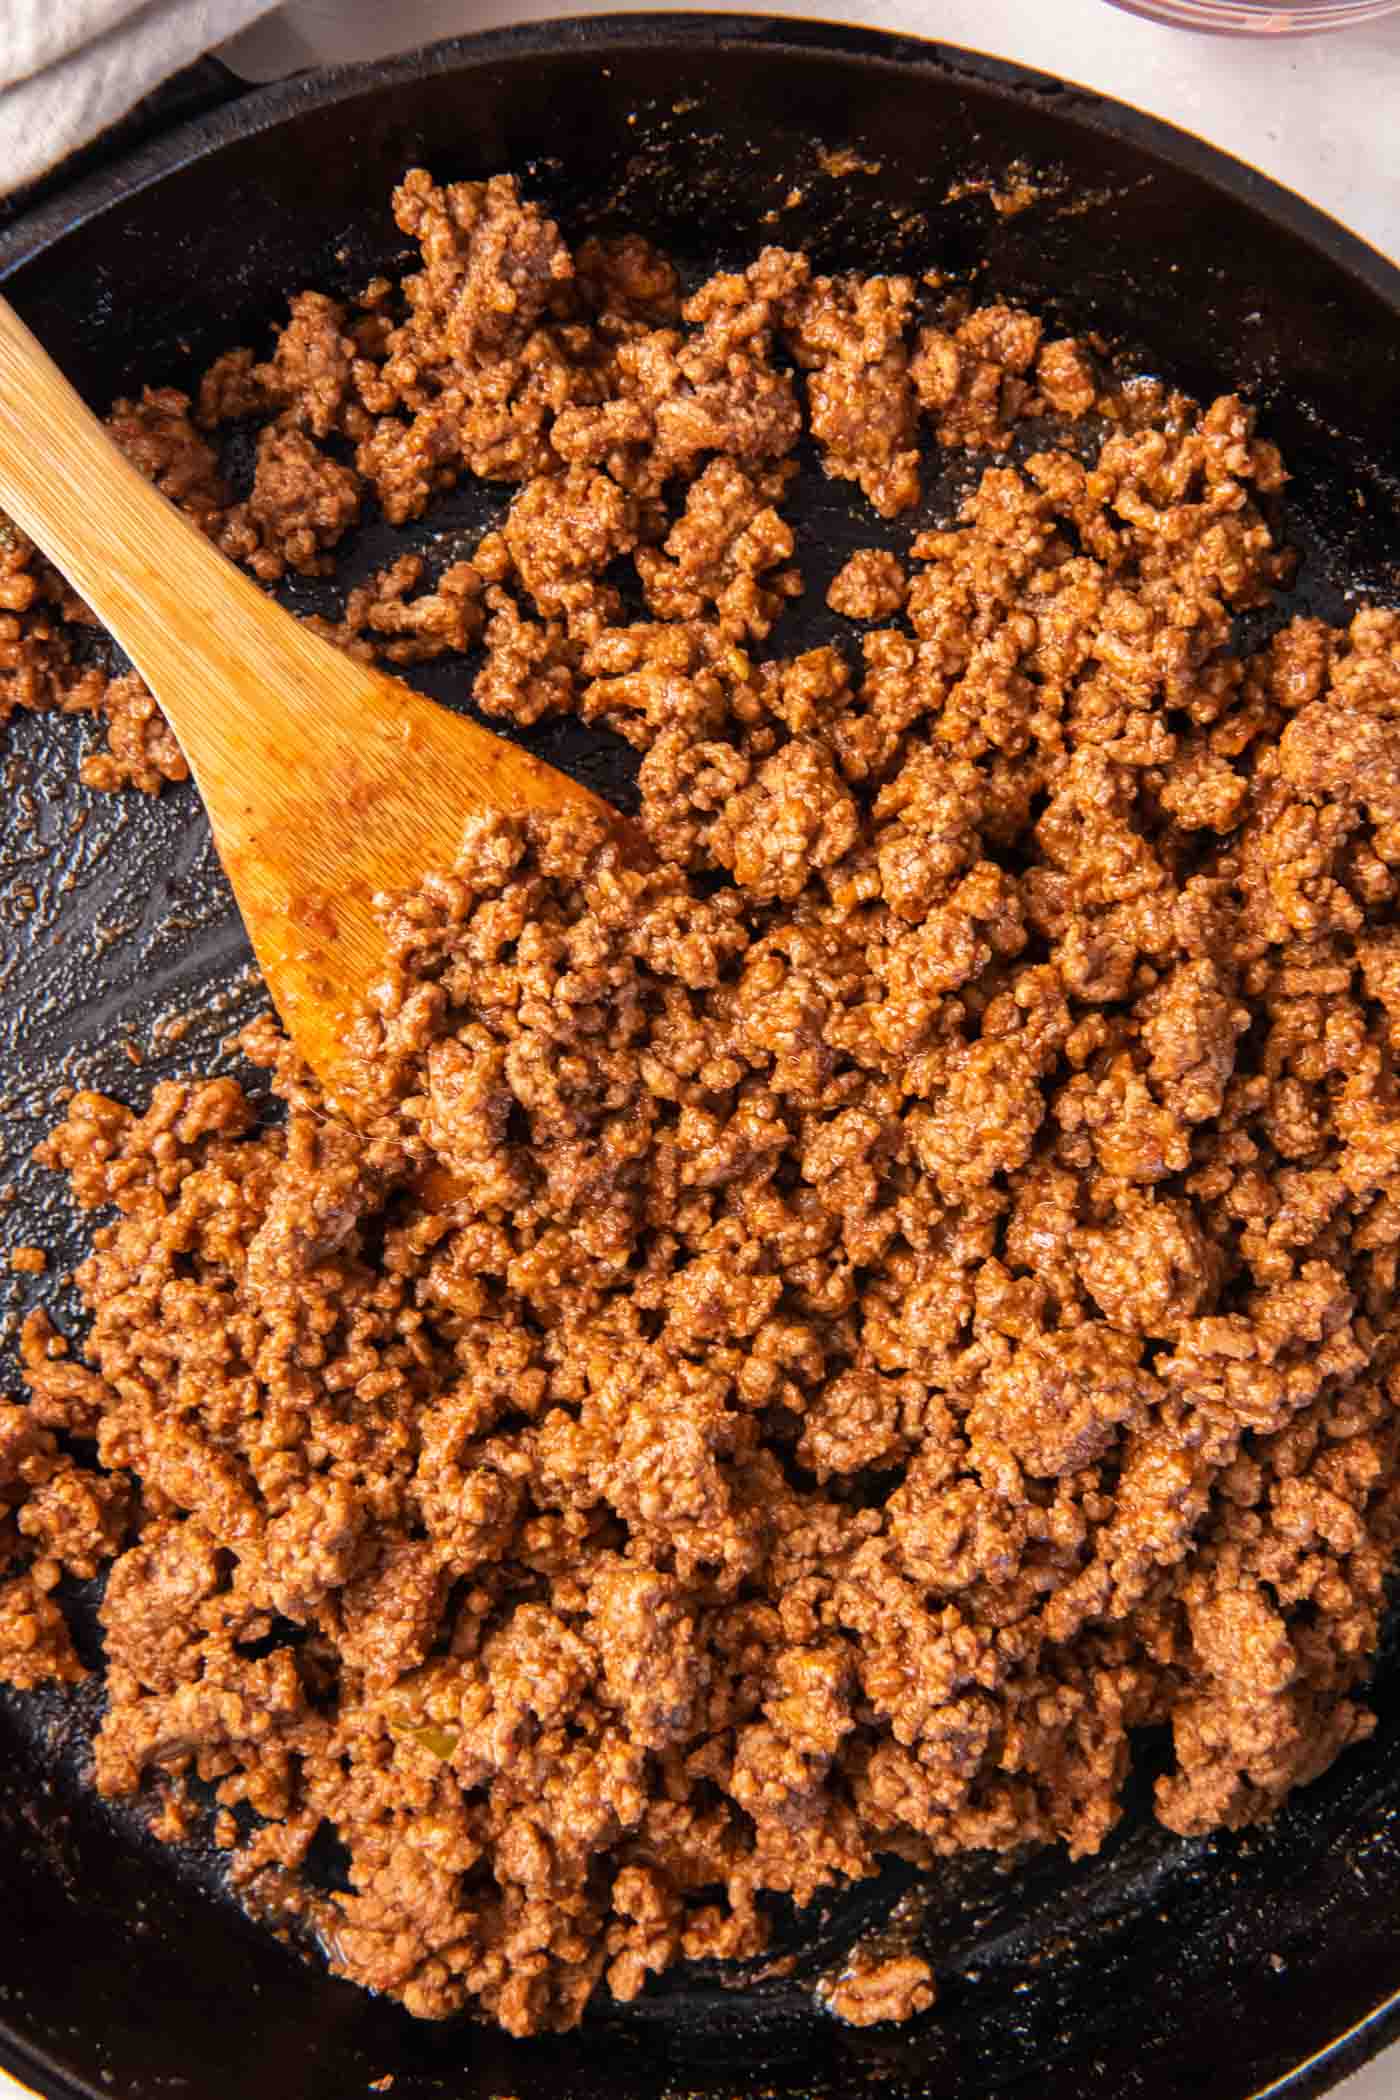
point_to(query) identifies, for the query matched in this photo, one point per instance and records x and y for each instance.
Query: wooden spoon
(325, 781)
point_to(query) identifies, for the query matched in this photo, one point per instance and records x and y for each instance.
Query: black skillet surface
(1161, 1969)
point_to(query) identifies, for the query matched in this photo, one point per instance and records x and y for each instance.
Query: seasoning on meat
(840, 1313)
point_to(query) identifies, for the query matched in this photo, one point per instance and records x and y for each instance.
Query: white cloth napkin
(69, 68)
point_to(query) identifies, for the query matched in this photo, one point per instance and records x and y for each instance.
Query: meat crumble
(834, 1317)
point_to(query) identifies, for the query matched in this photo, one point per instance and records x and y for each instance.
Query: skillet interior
(1164, 1967)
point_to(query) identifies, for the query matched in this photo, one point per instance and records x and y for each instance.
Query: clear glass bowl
(1261, 17)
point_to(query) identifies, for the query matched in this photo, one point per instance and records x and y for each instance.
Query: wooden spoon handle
(151, 579)
(251, 693)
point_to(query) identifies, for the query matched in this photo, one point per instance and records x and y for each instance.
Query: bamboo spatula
(325, 781)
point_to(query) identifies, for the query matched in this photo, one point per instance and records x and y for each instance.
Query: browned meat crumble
(832, 1326)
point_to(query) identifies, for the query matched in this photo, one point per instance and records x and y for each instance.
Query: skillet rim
(259, 109)
(251, 111)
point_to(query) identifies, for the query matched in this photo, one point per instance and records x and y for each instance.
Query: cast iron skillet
(1162, 1968)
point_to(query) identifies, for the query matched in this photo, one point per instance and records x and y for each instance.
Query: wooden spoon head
(313, 823)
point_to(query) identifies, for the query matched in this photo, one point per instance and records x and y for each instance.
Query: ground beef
(871, 586)
(850, 1299)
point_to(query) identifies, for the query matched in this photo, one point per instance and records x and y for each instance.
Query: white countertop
(1318, 114)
